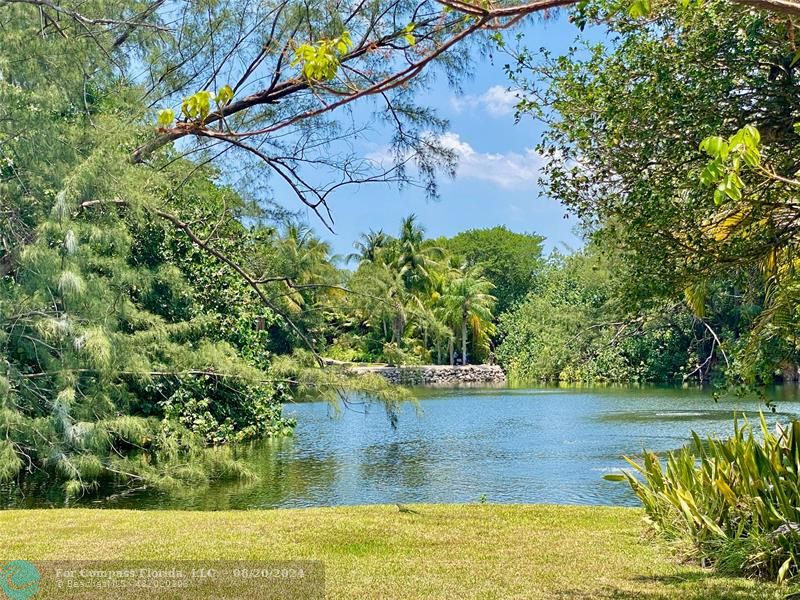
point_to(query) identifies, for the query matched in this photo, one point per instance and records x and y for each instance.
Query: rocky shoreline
(433, 375)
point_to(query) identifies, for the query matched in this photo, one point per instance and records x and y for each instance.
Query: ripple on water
(521, 446)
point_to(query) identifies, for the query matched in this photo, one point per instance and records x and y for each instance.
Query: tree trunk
(464, 341)
(398, 324)
(452, 353)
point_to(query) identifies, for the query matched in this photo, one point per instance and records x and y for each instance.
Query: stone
(433, 375)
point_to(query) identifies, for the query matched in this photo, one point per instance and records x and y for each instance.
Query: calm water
(534, 445)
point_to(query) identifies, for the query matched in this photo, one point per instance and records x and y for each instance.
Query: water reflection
(509, 445)
(407, 463)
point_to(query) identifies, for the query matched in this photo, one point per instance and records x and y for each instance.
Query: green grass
(440, 551)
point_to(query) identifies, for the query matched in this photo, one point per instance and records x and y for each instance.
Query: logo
(19, 579)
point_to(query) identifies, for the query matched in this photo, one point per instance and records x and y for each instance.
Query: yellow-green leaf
(224, 95)
(166, 117)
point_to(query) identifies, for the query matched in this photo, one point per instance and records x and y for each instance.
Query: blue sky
(496, 182)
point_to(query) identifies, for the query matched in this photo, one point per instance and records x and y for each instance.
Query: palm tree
(415, 260)
(305, 261)
(467, 305)
(304, 254)
(381, 281)
(433, 327)
(369, 246)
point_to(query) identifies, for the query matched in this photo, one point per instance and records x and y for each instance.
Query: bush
(735, 501)
(223, 412)
(346, 348)
(395, 355)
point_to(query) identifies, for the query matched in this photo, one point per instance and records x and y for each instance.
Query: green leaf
(710, 173)
(726, 491)
(165, 117)
(498, 39)
(752, 133)
(614, 477)
(639, 8)
(712, 145)
(224, 95)
(197, 106)
(752, 157)
(784, 569)
(731, 189)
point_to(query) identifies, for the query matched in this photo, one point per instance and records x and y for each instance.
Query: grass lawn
(439, 551)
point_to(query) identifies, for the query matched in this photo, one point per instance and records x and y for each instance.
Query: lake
(541, 445)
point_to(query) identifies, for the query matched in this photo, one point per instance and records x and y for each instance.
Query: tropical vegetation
(158, 303)
(676, 146)
(416, 300)
(734, 500)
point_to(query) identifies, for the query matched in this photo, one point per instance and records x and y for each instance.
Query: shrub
(395, 355)
(735, 501)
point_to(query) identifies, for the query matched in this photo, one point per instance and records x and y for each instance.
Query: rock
(787, 530)
(442, 375)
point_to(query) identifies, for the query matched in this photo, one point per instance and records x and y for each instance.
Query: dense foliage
(690, 97)
(575, 327)
(736, 500)
(676, 145)
(416, 300)
(154, 302)
(118, 359)
(511, 261)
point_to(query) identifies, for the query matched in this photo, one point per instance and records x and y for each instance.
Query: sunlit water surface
(546, 445)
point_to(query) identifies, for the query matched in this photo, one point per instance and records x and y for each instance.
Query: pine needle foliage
(117, 364)
(133, 350)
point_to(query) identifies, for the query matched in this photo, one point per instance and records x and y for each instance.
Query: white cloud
(507, 170)
(497, 101)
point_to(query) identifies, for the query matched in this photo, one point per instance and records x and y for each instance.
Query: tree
(258, 87)
(468, 304)
(414, 259)
(577, 326)
(265, 82)
(114, 366)
(416, 300)
(625, 128)
(509, 260)
(369, 246)
(135, 300)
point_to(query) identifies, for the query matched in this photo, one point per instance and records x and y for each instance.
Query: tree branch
(84, 20)
(493, 18)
